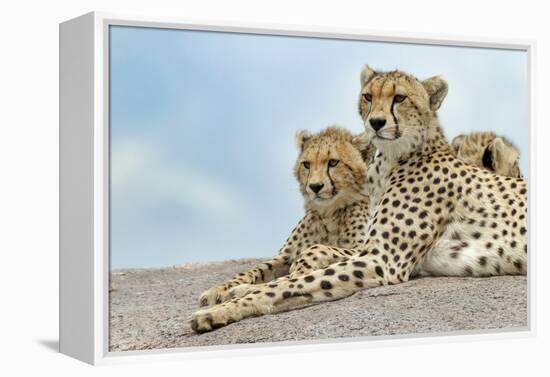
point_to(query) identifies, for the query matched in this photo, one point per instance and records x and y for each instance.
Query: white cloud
(141, 175)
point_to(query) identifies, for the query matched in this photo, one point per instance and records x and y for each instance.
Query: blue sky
(203, 124)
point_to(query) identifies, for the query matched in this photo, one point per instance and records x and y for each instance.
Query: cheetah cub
(331, 170)
(489, 151)
(432, 214)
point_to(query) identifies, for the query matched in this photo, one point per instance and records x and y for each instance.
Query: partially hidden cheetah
(489, 151)
(331, 169)
(431, 213)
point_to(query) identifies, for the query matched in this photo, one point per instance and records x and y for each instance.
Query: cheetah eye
(399, 98)
(306, 164)
(332, 162)
(367, 97)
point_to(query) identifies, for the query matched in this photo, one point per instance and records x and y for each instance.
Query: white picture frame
(84, 187)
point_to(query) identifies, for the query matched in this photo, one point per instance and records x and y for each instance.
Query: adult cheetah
(331, 169)
(432, 214)
(489, 151)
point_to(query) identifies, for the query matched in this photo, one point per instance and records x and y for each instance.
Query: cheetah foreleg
(310, 259)
(336, 281)
(317, 257)
(263, 272)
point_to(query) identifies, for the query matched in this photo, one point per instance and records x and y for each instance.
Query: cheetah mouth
(380, 137)
(321, 199)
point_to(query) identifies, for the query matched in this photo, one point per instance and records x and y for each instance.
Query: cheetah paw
(213, 296)
(210, 319)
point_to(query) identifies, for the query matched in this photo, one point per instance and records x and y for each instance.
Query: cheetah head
(332, 167)
(489, 151)
(397, 109)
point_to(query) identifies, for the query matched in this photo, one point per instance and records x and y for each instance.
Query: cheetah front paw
(213, 296)
(210, 319)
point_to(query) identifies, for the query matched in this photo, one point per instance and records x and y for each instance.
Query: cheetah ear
(367, 74)
(457, 143)
(498, 152)
(437, 90)
(363, 143)
(489, 157)
(301, 137)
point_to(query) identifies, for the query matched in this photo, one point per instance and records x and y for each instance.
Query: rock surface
(151, 308)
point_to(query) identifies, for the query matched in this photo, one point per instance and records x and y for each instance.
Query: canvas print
(268, 188)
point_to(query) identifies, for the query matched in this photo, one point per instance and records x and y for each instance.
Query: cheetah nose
(377, 123)
(316, 187)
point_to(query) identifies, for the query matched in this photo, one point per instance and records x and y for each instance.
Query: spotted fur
(432, 214)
